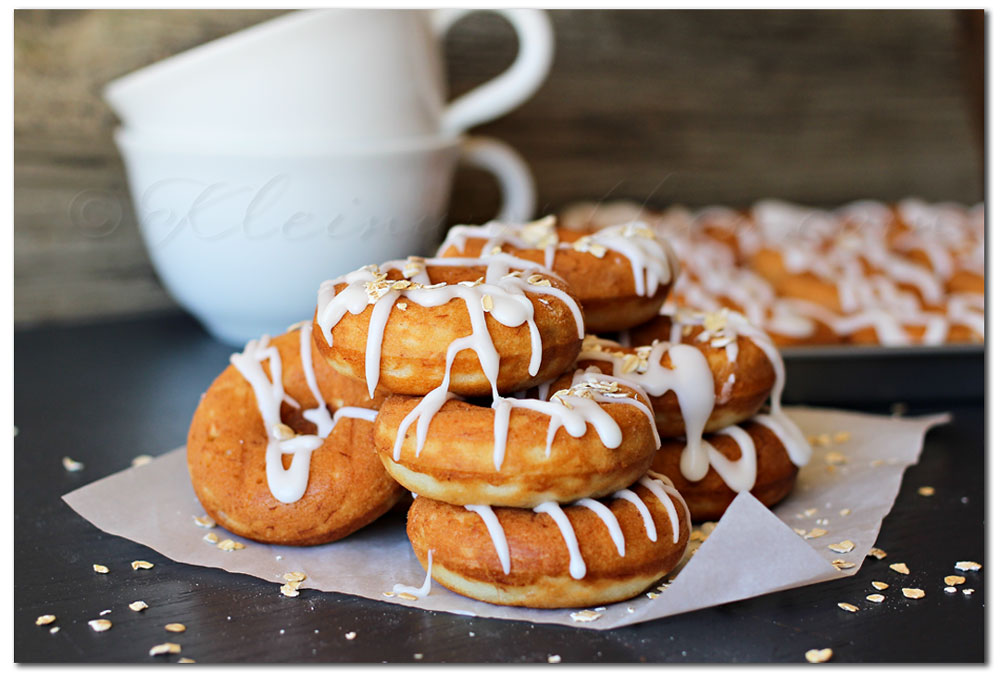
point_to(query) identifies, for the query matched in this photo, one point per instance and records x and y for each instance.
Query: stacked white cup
(264, 162)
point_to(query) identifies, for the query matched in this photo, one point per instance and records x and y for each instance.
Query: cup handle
(517, 187)
(513, 86)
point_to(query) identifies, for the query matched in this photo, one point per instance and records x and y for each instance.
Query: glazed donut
(620, 274)
(473, 326)
(268, 460)
(703, 371)
(593, 437)
(591, 552)
(762, 456)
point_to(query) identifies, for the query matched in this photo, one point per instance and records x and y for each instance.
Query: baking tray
(876, 375)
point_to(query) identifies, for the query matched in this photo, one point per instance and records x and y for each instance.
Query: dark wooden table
(105, 393)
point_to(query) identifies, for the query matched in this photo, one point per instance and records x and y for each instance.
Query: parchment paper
(754, 549)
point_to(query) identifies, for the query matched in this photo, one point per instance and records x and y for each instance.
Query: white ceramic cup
(352, 75)
(242, 238)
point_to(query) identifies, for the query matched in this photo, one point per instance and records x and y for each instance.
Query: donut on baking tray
(620, 274)
(469, 326)
(759, 455)
(592, 437)
(269, 460)
(585, 553)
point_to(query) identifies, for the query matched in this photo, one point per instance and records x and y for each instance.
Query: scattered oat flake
(289, 590)
(137, 606)
(586, 616)
(409, 597)
(926, 491)
(952, 580)
(164, 648)
(815, 532)
(44, 620)
(554, 658)
(845, 512)
(175, 627)
(841, 564)
(141, 565)
(877, 553)
(630, 609)
(799, 531)
(294, 576)
(388, 594)
(487, 302)
(104, 612)
(810, 512)
(211, 538)
(204, 521)
(848, 607)
(877, 463)
(875, 598)
(141, 460)
(880, 585)
(913, 593)
(835, 458)
(229, 545)
(418, 656)
(900, 568)
(652, 594)
(819, 656)
(100, 624)
(967, 565)
(967, 592)
(54, 629)
(842, 436)
(950, 590)
(98, 568)
(185, 660)
(71, 465)
(842, 547)
(350, 635)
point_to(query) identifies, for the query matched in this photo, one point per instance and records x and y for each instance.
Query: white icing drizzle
(656, 488)
(496, 532)
(652, 259)
(647, 517)
(425, 588)
(608, 517)
(577, 568)
(289, 485)
(668, 486)
(740, 474)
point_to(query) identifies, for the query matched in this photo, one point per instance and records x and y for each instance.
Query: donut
(762, 456)
(703, 371)
(593, 437)
(587, 553)
(471, 326)
(620, 274)
(267, 459)
(866, 272)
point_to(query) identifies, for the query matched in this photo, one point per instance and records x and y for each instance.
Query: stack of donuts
(866, 273)
(547, 467)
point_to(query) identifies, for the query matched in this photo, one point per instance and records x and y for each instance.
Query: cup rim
(131, 138)
(133, 82)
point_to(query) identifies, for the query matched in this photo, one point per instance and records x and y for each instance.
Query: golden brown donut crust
(468, 564)
(604, 285)
(416, 340)
(754, 378)
(456, 463)
(708, 499)
(348, 487)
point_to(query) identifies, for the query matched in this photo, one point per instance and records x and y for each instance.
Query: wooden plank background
(694, 107)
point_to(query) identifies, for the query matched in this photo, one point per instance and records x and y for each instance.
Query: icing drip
(741, 474)
(577, 568)
(606, 516)
(496, 532)
(288, 485)
(656, 488)
(647, 517)
(668, 486)
(425, 588)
